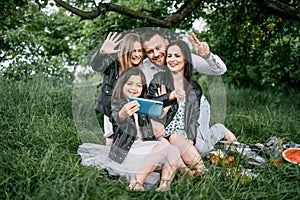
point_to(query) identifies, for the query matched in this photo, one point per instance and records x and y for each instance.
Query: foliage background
(259, 48)
(38, 138)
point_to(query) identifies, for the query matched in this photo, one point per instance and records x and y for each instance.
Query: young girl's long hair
(126, 74)
(126, 49)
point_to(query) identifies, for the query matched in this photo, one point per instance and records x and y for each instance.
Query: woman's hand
(164, 112)
(201, 48)
(109, 45)
(162, 90)
(128, 110)
(179, 94)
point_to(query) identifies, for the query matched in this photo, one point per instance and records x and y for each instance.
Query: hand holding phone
(148, 106)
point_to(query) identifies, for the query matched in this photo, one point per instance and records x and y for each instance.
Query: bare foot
(230, 137)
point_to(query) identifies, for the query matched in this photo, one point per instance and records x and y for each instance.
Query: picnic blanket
(258, 153)
(254, 154)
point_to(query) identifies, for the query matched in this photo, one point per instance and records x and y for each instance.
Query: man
(155, 45)
(206, 63)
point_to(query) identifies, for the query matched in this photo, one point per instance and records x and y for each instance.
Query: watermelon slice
(292, 155)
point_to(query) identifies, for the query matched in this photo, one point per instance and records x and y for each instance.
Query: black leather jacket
(126, 132)
(192, 103)
(110, 66)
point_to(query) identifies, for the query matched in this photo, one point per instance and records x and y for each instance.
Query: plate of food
(292, 155)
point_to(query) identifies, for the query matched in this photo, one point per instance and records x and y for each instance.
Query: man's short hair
(146, 36)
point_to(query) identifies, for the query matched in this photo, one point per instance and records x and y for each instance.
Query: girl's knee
(175, 138)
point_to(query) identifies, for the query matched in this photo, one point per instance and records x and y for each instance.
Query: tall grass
(258, 114)
(38, 143)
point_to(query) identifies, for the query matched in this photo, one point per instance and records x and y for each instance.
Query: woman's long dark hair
(188, 66)
(118, 90)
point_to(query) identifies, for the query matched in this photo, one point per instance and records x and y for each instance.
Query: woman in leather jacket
(134, 143)
(181, 98)
(130, 54)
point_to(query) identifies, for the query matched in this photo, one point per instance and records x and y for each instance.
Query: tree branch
(283, 10)
(83, 14)
(135, 14)
(103, 8)
(185, 10)
(274, 6)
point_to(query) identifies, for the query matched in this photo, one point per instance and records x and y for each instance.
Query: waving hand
(111, 42)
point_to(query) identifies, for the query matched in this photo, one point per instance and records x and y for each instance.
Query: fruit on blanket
(277, 161)
(292, 155)
(219, 159)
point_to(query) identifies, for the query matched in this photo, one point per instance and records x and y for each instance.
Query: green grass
(39, 141)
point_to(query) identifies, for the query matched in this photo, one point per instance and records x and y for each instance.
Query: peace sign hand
(202, 48)
(109, 45)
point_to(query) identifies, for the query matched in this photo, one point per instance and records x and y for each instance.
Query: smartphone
(148, 106)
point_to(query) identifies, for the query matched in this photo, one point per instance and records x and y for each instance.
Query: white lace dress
(141, 156)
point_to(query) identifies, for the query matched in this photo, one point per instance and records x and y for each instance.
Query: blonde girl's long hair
(126, 49)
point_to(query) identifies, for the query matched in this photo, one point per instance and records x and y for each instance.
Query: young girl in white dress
(135, 147)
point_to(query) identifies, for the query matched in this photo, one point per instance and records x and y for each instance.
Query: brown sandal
(186, 171)
(136, 186)
(164, 186)
(199, 169)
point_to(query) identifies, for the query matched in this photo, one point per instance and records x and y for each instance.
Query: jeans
(207, 136)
